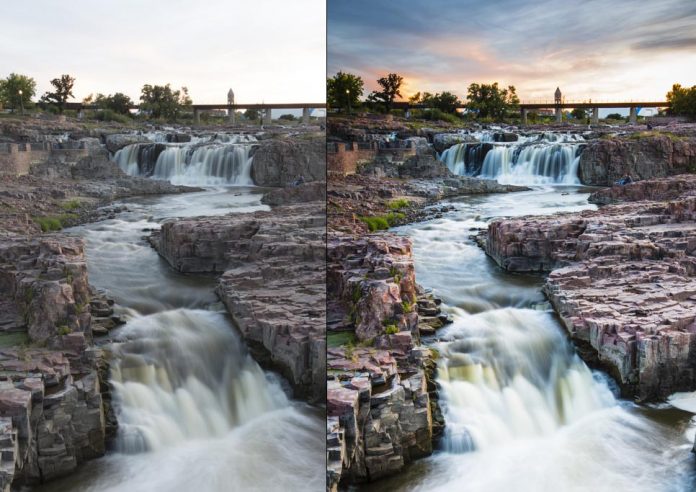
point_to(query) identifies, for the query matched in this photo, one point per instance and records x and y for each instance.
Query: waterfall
(539, 159)
(184, 374)
(220, 160)
(510, 374)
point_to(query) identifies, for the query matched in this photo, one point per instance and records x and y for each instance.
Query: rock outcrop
(52, 391)
(272, 267)
(623, 280)
(381, 397)
(643, 156)
(279, 162)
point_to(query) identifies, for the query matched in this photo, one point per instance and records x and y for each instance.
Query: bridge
(265, 108)
(594, 106)
(525, 107)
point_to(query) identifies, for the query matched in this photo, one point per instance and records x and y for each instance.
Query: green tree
(614, 116)
(445, 102)
(251, 114)
(287, 117)
(578, 113)
(63, 90)
(118, 103)
(682, 101)
(343, 91)
(490, 101)
(391, 89)
(160, 101)
(10, 91)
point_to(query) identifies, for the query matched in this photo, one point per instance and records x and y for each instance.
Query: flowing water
(195, 411)
(219, 159)
(523, 411)
(543, 158)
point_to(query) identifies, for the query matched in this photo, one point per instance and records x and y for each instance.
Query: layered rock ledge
(623, 280)
(643, 155)
(54, 411)
(382, 397)
(272, 267)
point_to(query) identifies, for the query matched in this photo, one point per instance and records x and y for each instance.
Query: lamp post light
(348, 97)
(21, 101)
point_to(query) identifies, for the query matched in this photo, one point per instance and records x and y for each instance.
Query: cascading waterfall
(509, 375)
(168, 394)
(221, 160)
(542, 159)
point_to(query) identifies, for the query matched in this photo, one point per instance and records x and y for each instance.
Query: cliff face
(643, 157)
(280, 162)
(381, 397)
(272, 267)
(52, 414)
(622, 279)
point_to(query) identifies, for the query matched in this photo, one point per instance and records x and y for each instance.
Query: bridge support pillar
(305, 116)
(595, 116)
(524, 116)
(633, 116)
(196, 116)
(559, 115)
(231, 116)
(267, 120)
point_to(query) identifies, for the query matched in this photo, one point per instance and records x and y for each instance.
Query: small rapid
(540, 159)
(523, 412)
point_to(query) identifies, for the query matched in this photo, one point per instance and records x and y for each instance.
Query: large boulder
(279, 162)
(606, 160)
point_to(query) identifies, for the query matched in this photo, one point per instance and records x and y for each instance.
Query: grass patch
(54, 222)
(71, 204)
(398, 204)
(64, 330)
(383, 222)
(339, 339)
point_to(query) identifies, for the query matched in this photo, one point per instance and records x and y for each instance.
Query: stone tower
(557, 96)
(230, 97)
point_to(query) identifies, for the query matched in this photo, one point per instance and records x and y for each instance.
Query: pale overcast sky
(599, 49)
(265, 50)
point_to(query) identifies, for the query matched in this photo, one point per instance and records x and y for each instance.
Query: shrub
(391, 329)
(376, 223)
(64, 330)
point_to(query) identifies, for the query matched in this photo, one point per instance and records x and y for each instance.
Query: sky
(618, 50)
(270, 51)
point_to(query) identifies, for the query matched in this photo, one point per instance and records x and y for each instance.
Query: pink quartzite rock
(623, 280)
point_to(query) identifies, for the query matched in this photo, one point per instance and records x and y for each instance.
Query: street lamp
(21, 101)
(348, 97)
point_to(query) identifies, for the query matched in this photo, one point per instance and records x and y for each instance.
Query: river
(523, 411)
(195, 411)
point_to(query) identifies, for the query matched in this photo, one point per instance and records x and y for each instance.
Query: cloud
(592, 47)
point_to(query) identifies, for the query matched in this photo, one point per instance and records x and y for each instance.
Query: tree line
(344, 92)
(156, 101)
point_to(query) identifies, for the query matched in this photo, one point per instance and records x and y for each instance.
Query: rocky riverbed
(55, 394)
(621, 279)
(272, 267)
